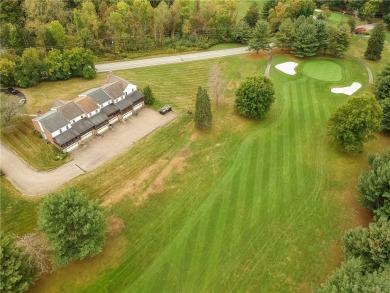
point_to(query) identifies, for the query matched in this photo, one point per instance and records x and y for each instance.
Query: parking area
(93, 154)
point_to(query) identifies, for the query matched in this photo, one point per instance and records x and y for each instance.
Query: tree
(57, 32)
(351, 277)
(260, 37)
(322, 35)
(285, 35)
(255, 96)
(252, 15)
(386, 19)
(36, 247)
(81, 62)
(376, 43)
(374, 186)
(74, 226)
(203, 116)
(370, 244)
(382, 88)
(339, 39)
(215, 82)
(16, 272)
(7, 72)
(57, 67)
(268, 4)
(149, 97)
(354, 122)
(369, 9)
(305, 38)
(243, 32)
(9, 106)
(352, 24)
(28, 71)
(385, 104)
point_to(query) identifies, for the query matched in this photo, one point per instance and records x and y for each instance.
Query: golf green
(323, 70)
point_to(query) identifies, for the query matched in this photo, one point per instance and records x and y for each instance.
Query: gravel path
(95, 153)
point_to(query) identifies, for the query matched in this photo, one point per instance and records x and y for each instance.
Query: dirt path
(369, 72)
(95, 153)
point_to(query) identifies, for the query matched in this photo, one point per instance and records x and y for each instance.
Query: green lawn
(21, 138)
(254, 206)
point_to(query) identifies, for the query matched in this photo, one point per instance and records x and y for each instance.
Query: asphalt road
(95, 153)
(170, 59)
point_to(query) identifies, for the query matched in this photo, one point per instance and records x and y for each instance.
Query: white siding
(128, 114)
(113, 120)
(59, 131)
(130, 88)
(87, 135)
(139, 106)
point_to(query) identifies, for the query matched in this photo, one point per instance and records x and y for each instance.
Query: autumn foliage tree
(255, 96)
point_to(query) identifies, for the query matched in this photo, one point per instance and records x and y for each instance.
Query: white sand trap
(287, 67)
(349, 90)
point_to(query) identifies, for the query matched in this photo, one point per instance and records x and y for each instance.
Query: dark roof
(135, 97)
(124, 104)
(82, 125)
(98, 95)
(113, 78)
(70, 110)
(114, 90)
(65, 137)
(54, 122)
(86, 104)
(110, 109)
(44, 115)
(98, 119)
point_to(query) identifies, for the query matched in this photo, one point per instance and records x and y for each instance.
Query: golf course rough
(323, 69)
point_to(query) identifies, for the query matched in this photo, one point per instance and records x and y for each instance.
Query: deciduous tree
(203, 117)
(376, 43)
(260, 37)
(7, 72)
(354, 122)
(74, 225)
(9, 106)
(16, 272)
(385, 104)
(255, 96)
(28, 71)
(81, 62)
(339, 39)
(56, 66)
(374, 186)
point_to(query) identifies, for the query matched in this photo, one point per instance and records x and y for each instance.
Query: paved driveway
(96, 152)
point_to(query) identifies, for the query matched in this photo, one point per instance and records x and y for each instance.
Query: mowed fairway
(253, 207)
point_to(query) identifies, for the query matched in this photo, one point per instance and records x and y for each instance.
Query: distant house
(69, 123)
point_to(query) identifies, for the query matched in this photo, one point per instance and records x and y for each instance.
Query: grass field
(20, 137)
(251, 206)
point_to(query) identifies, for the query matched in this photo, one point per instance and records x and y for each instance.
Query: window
(74, 121)
(82, 116)
(60, 130)
(67, 127)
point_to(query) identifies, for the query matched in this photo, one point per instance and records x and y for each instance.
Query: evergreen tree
(255, 96)
(268, 4)
(285, 35)
(322, 35)
(75, 226)
(203, 117)
(374, 186)
(305, 38)
(371, 245)
(385, 104)
(376, 43)
(17, 273)
(149, 97)
(252, 15)
(260, 37)
(382, 88)
(243, 32)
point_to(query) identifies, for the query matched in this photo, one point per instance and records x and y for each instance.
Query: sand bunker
(287, 67)
(349, 90)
